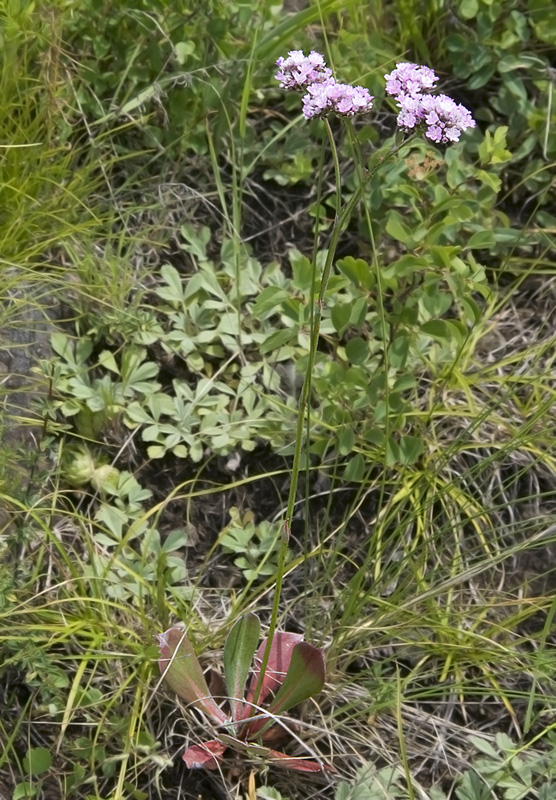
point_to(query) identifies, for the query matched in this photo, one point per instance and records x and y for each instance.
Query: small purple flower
(299, 71)
(445, 120)
(339, 98)
(410, 79)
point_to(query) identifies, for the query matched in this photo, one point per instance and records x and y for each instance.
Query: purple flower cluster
(324, 94)
(444, 120)
(298, 72)
(441, 118)
(410, 79)
(339, 98)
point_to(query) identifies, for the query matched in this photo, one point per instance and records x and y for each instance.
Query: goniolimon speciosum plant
(288, 670)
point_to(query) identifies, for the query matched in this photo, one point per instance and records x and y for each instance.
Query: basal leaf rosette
(295, 672)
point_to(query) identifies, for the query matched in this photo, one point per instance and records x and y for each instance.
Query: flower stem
(342, 217)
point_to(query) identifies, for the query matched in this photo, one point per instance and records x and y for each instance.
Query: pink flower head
(445, 120)
(410, 79)
(339, 98)
(299, 71)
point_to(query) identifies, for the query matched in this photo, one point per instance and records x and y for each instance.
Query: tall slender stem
(342, 217)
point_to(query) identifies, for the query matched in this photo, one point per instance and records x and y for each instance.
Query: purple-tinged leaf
(253, 750)
(305, 678)
(278, 664)
(207, 754)
(299, 764)
(181, 670)
(238, 654)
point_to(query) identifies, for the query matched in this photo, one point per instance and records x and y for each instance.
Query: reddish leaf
(253, 750)
(207, 754)
(278, 664)
(305, 678)
(181, 670)
(299, 764)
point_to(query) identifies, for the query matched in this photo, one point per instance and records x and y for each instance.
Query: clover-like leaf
(181, 670)
(238, 654)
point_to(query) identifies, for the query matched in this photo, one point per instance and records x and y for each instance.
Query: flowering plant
(294, 672)
(442, 119)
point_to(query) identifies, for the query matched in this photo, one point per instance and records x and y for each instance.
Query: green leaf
(25, 789)
(305, 678)
(181, 670)
(269, 298)
(277, 340)
(346, 441)
(359, 311)
(340, 316)
(183, 50)
(303, 271)
(238, 654)
(410, 449)
(355, 469)
(197, 240)
(482, 240)
(357, 350)
(472, 787)
(106, 359)
(399, 350)
(468, 8)
(397, 229)
(484, 746)
(37, 761)
(357, 270)
(174, 290)
(440, 329)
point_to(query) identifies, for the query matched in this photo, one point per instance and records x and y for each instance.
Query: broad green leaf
(238, 655)
(358, 311)
(468, 8)
(355, 469)
(181, 670)
(305, 678)
(484, 746)
(357, 350)
(302, 269)
(482, 240)
(269, 298)
(398, 230)
(183, 50)
(357, 270)
(346, 441)
(277, 339)
(37, 760)
(340, 316)
(440, 329)
(399, 350)
(25, 789)
(62, 345)
(410, 449)
(174, 281)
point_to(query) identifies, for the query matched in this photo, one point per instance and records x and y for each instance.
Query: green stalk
(342, 218)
